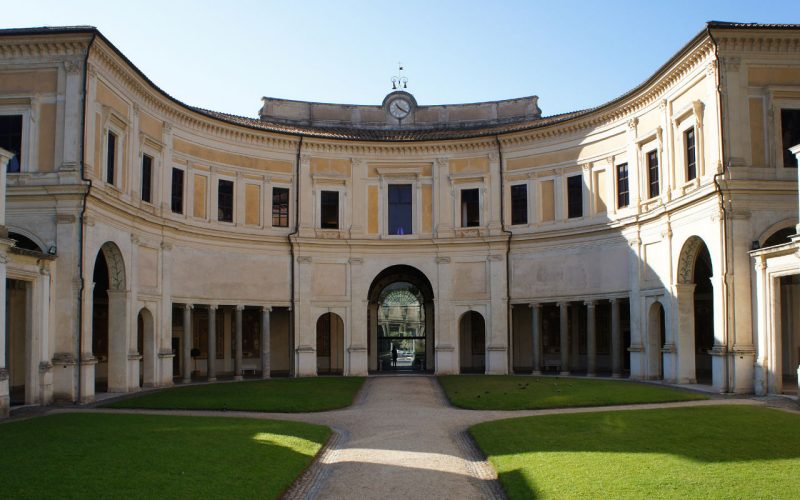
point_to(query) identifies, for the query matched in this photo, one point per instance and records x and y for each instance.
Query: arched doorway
(472, 343)
(656, 338)
(695, 297)
(401, 321)
(330, 344)
(110, 321)
(145, 341)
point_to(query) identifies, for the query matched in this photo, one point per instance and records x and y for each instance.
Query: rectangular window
(11, 140)
(652, 173)
(574, 196)
(691, 156)
(519, 204)
(225, 201)
(280, 207)
(790, 131)
(470, 208)
(177, 191)
(111, 154)
(400, 209)
(329, 209)
(623, 199)
(147, 178)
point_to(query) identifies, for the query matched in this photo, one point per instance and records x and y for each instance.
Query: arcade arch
(401, 321)
(472, 343)
(110, 328)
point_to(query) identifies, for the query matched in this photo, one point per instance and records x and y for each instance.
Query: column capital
(563, 303)
(590, 303)
(535, 305)
(266, 308)
(239, 307)
(213, 307)
(188, 306)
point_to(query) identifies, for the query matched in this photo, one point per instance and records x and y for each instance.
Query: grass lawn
(288, 395)
(708, 452)
(84, 455)
(495, 392)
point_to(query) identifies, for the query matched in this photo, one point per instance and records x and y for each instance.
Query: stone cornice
(626, 107)
(35, 46)
(104, 57)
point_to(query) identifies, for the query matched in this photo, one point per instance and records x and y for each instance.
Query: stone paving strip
(402, 439)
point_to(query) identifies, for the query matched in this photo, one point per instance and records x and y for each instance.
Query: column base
(186, 381)
(265, 376)
(238, 378)
(616, 375)
(211, 379)
(536, 372)
(591, 374)
(563, 373)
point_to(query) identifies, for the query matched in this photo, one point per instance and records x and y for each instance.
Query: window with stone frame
(147, 178)
(470, 208)
(623, 194)
(176, 200)
(280, 207)
(519, 204)
(329, 209)
(11, 140)
(574, 196)
(400, 209)
(691, 154)
(111, 156)
(225, 201)
(654, 187)
(790, 135)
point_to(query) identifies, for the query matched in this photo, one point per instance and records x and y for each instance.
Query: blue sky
(226, 55)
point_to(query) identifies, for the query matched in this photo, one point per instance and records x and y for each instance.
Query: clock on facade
(400, 108)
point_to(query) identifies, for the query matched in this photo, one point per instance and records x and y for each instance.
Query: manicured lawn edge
(525, 392)
(289, 395)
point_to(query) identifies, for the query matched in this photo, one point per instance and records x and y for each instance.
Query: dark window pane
(147, 177)
(329, 209)
(111, 154)
(280, 207)
(790, 130)
(470, 208)
(11, 139)
(225, 201)
(400, 209)
(652, 172)
(691, 158)
(177, 190)
(622, 185)
(519, 204)
(574, 196)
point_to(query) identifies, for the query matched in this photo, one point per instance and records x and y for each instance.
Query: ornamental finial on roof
(399, 81)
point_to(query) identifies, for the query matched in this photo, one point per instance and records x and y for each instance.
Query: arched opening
(330, 344)
(18, 342)
(695, 298)
(779, 237)
(656, 338)
(472, 343)
(110, 321)
(23, 242)
(145, 342)
(401, 321)
(703, 316)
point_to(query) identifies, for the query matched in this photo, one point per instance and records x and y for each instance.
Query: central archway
(401, 332)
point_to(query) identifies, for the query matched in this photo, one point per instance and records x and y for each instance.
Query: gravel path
(402, 439)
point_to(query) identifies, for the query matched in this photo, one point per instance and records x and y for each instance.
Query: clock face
(399, 108)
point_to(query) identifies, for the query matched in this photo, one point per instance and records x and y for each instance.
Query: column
(574, 337)
(212, 343)
(5, 398)
(237, 360)
(564, 337)
(187, 343)
(591, 340)
(616, 340)
(265, 340)
(536, 338)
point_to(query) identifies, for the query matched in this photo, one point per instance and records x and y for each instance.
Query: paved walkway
(402, 439)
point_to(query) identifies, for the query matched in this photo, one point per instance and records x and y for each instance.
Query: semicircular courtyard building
(150, 242)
